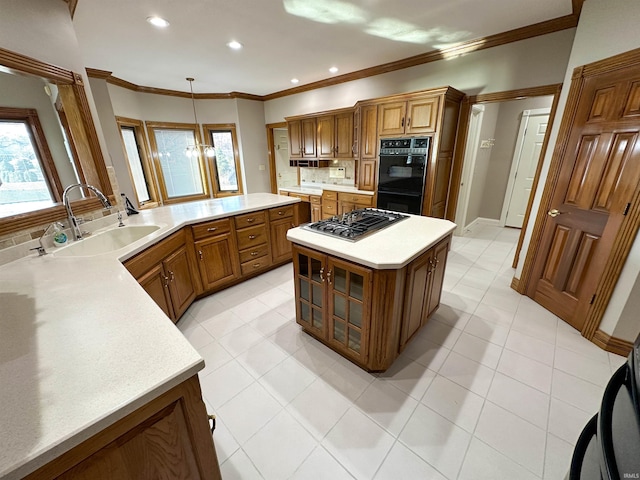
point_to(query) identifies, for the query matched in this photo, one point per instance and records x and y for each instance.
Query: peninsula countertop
(390, 248)
(318, 188)
(81, 343)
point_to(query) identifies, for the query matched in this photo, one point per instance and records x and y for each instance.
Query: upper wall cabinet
(302, 138)
(325, 136)
(413, 116)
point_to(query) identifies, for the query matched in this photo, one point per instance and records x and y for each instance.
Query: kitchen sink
(107, 241)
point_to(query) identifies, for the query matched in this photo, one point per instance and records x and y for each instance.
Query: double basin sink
(106, 242)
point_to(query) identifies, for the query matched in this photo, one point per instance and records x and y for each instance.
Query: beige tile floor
(494, 387)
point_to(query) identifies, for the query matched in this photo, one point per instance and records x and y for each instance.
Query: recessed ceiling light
(333, 69)
(294, 80)
(158, 22)
(234, 45)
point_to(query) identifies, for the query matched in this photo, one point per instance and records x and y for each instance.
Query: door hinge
(626, 209)
(593, 299)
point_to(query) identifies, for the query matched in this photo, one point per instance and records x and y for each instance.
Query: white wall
(606, 28)
(252, 135)
(529, 63)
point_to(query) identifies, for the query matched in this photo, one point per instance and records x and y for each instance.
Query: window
(140, 169)
(226, 163)
(28, 180)
(181, 178)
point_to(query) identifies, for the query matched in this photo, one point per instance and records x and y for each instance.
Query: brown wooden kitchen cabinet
(335, 135)
(253, 241)
(281, 219)
(367, 142)
(353, 201)
(302, 138)
(329, 203)
(316, 208)
(169, 437)
(366, 315)
(217, 254)
(423, 289)
(415, 116)
(333, 298)
(165, 272)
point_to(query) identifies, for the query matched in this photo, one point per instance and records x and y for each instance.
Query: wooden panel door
(217, 261)
(598, 177)
(369, 132)
(308, 136)
(367, 174)
(181, 287)
(280, 246)
(391, 118)
(418, 279)
(344, 147)
(422, 115)
(309, 269)
(295, 138)
(156, 284)
(438, 264)
(349, 303)
(325, 136)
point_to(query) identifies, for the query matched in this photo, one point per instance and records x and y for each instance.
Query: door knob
(553, 212)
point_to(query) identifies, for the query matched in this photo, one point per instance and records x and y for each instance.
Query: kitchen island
(366, 299)
(92, 372)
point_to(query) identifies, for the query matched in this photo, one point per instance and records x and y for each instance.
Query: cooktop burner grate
(356, 224)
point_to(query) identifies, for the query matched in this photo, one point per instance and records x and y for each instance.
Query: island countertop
(390, 248)
(81, 343)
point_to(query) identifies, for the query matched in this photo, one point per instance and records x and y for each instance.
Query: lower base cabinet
(167, 438)
(366, 315)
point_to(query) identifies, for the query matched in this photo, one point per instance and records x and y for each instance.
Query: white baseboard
(482, 221)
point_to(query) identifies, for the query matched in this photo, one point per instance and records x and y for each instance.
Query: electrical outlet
(262, 167)
(485, 144)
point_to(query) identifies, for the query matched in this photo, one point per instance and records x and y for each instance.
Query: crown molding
(518, 34)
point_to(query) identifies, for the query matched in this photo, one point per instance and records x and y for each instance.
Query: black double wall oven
(402, 172)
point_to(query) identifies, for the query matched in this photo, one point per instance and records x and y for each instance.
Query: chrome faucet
(73, 221)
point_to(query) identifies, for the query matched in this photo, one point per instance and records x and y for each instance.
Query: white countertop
(316, 189)
(390, 248)
(82, 345)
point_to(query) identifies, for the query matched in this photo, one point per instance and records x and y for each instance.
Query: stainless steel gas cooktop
(356, 224)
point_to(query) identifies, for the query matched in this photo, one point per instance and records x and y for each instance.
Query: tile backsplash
(322, 175)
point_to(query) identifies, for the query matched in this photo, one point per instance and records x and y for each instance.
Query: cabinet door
(325, 136)
(422, 115)
(308, 129)
(217, 261)
(391, 118)
(349, 300)
(309, 269)
(295, 139)
(369, 132)
(316, 212)
(367, 174)
(280, 246)
(181, 288)
(438, 263)
(344, 147)
(156, 284)
(417, 290)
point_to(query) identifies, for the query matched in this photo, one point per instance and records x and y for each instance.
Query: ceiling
(282, 39)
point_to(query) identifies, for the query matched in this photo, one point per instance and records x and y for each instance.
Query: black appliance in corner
(402, 172)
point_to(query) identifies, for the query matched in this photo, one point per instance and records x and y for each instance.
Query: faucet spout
(73, 221)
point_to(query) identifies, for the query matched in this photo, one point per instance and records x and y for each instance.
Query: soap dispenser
(59, 237)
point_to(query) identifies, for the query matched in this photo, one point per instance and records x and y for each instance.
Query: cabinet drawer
(208, 229)
(315, 199)
(329, 195)
(364, 200)
(302, 196)
(250, 219)
(329, 208)
(251, 237)
(281, 212)
(253, 253)
(253, 265)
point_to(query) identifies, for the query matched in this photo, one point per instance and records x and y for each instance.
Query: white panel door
(526, 157)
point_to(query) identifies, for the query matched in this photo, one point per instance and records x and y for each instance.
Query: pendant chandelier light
(197, 149)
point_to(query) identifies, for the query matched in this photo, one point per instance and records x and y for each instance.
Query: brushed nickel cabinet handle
(322, 274)
(329, 277)
(251, 220)
(212, 229)
(252, 237)
(200, 253)
(280, 212)
(409, 122)
(254, 254)
(256, 265)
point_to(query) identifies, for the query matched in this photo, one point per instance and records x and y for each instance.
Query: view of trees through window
(225, 161)
(23, 186)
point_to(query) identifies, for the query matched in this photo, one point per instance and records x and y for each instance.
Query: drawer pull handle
(251, 220)
(280, 212)
(212, 229)
(254, 254)
(200, 253)
(252, 237)
(329, 277)
(256, 265)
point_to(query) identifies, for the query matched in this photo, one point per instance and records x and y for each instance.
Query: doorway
(282, 175)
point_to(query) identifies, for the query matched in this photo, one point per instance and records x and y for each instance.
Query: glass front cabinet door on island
(333, 300)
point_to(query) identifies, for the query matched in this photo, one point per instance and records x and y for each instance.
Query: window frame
(29, 116)
(209, 128)
(145, 162)
(151, 126)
